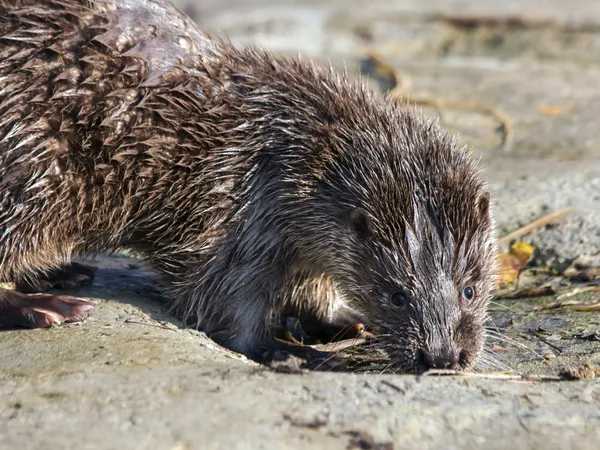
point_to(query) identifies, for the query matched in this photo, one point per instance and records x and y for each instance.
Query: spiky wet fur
(236, 172)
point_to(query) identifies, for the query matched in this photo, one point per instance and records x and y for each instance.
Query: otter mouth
(419, 360)
(446, 359)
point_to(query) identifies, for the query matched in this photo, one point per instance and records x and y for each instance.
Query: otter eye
(468, 293)
(398, 299)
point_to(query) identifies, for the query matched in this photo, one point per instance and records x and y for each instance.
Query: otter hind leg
(40, 310)
(71, 276)
(29, 308)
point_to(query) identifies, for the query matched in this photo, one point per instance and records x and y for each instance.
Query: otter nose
(443, 358)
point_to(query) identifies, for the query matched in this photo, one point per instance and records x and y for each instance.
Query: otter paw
(70, 277)
(350, 331)
(290, 358)
(345, 324)
(43, 310)
(349, 325)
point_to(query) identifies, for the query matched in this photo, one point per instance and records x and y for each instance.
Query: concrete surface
(129, 377)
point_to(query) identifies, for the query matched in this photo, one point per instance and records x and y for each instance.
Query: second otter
(249, 180)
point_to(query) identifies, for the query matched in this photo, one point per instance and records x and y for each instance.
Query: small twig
(393, 386)
(401, 83)
(588, 308)
(577, 291)
(491, 376)
(520, 420)
(339, 345)
(536, 224)
(153, 324)
(545, 341)
(558, 304)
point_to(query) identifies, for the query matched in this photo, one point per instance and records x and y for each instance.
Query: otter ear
(360, 222)
(483, 205)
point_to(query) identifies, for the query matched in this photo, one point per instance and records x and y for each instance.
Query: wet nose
(444, 358)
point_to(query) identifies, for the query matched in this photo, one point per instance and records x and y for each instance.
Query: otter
(251, 181)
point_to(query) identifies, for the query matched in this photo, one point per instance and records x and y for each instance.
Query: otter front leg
(232, 302)
(315, 302)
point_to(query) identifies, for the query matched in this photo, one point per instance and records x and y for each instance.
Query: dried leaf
(522, 250)
(588, 371)
(554, 110)
(510, 264)
(509, 268)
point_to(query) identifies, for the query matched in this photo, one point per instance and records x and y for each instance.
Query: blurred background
(530, 66)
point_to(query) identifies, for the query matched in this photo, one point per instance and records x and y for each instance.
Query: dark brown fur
(242, 176)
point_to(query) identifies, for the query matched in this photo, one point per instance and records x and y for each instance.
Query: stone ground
(519, 81)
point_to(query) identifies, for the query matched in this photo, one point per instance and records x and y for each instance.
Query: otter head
(413, 243)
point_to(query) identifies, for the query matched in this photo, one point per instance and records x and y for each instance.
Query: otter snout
(441, 358)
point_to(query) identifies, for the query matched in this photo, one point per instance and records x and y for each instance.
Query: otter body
(251, 181)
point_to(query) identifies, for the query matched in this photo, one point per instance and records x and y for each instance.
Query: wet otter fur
(251, 181)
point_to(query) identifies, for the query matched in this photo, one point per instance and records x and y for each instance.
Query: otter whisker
(501, 305)
(508, 340)
(487, 362)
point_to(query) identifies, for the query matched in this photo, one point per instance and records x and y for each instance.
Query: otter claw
(71, 277)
